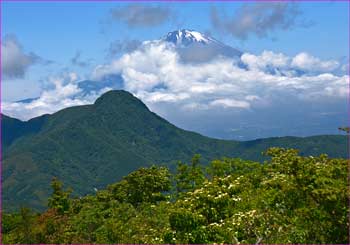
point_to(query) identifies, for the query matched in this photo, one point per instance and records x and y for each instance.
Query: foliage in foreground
(289, 199)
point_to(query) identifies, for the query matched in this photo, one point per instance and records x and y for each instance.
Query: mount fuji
(194, 46)
(187, 37)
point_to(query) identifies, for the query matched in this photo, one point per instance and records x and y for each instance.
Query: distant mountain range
(91, 146)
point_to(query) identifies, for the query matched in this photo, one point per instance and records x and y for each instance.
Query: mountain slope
(13, 128)
(187, 37)
(193, 46)
(91, 146)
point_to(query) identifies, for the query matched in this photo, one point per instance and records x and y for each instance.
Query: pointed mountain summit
(187, 37)
(194, 46)
(94, 145)
(91, 146)
(120, 98)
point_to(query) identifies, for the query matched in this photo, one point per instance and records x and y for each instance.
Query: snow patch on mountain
(187, 37)
(193, 46)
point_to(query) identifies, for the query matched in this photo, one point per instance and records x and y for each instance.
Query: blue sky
(51, 34)
(57, 30)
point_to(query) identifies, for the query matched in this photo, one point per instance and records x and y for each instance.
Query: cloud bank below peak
(155, 71)
(269, 92)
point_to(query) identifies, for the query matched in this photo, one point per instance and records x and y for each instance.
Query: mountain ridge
(193, 46)
(94, 145)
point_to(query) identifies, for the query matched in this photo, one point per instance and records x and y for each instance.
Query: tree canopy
(287, 199)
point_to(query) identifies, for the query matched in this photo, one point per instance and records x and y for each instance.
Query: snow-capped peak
(193, 46)
(186, 37)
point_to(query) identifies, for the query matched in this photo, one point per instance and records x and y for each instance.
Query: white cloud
(64, 93)
(219, 94)
(305, 61)
(155, 74)
(267, 58)
(155, 97)
(230, 103)
(280, 63)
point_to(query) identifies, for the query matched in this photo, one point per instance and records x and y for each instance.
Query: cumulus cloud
(64, 92)
(306, 61)
(260, 94)
(282, 64)
(15, 62)
(155, 73)
(265, 60)
(257, 18)
(142, 15)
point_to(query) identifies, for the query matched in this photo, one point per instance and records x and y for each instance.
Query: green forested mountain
(13, 128)
(91, 146)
